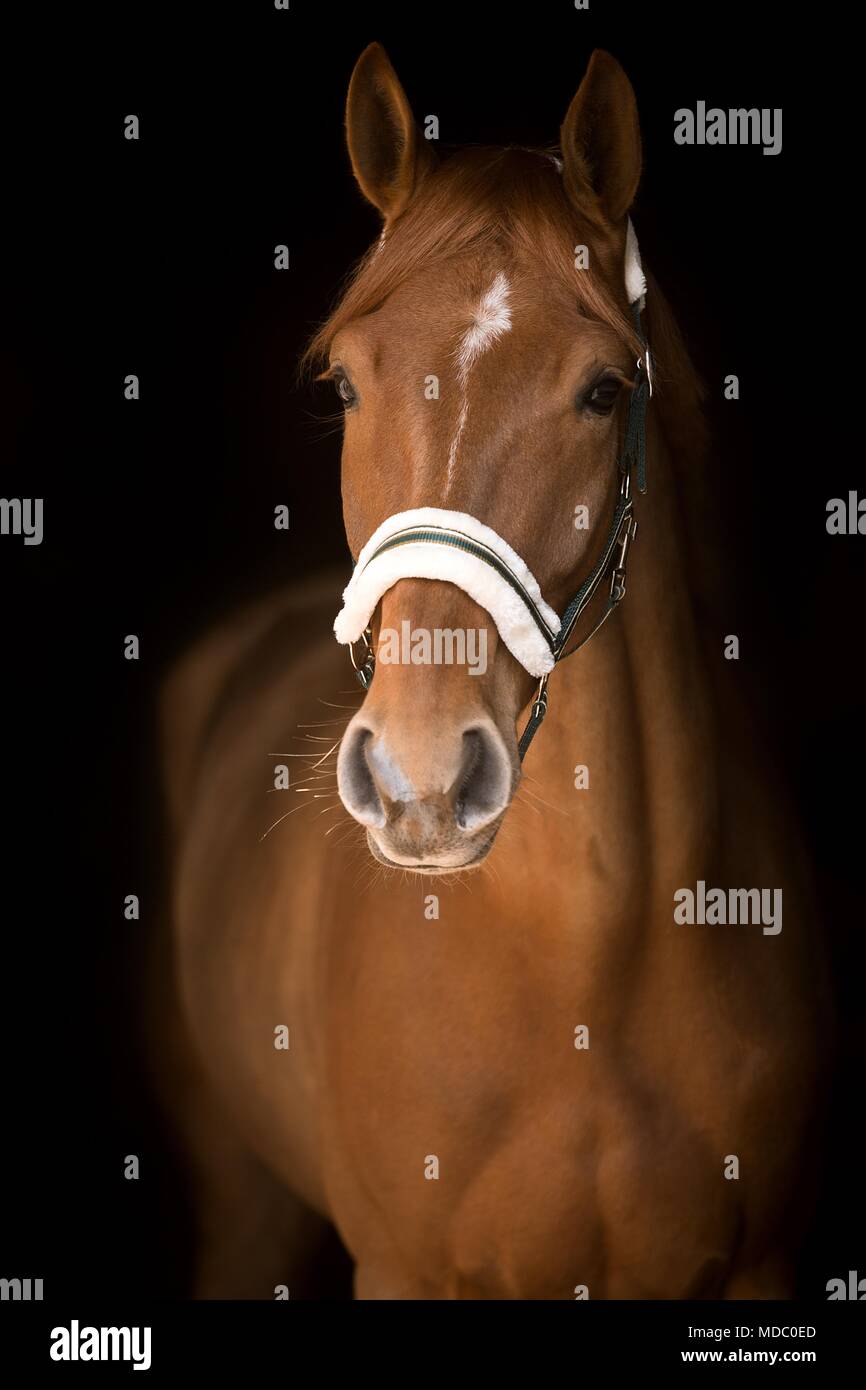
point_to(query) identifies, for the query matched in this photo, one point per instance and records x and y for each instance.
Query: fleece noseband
(435, 543)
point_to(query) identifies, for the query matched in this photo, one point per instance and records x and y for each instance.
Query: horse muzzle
(431, 798)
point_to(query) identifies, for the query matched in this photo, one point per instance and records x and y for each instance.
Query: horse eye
(602, 397)
(345, 389)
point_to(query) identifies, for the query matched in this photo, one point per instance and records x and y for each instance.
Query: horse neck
(634, 707)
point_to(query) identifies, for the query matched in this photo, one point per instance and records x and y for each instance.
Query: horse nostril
(355, 780)
(486, 784)
(473, 765)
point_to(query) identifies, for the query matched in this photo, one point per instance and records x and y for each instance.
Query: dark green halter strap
(614, 556)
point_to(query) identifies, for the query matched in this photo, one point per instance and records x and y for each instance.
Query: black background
(156, 258)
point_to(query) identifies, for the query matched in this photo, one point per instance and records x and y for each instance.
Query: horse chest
(480, 1153)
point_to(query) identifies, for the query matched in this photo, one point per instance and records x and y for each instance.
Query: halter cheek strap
(434, 543)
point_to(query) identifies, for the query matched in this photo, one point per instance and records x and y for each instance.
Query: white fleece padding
(429, 560)
(635, 280)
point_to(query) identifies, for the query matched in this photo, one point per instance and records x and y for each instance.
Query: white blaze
(492, 318)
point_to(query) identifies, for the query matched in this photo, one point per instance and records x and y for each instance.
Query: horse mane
(680, 391)
(678, 409)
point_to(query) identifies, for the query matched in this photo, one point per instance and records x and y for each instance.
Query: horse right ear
(388, 153)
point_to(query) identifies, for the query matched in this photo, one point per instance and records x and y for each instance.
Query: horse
(437, 996)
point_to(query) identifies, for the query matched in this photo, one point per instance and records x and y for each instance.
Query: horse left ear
(600, 137)
(388, 152)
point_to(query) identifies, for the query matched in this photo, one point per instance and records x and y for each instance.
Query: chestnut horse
(528, 1078)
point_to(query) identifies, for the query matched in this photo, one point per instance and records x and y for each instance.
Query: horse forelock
(480, 199)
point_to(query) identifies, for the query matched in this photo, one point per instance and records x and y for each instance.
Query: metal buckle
(539, 704)
(644, 364)
(364, 672)
(624, 540)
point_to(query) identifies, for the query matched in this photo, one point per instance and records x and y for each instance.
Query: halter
(437, 544)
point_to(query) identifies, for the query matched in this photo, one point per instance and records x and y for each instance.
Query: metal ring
(646, 367)
(365, 636)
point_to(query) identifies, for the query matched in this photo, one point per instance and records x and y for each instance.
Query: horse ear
(387, 151)
(600, 136)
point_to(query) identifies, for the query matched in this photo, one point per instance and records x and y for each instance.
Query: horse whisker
(282, 818)
(541, 800)
(322, 723)
(328, 754)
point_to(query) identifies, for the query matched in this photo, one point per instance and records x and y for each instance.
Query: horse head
(485, 355)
